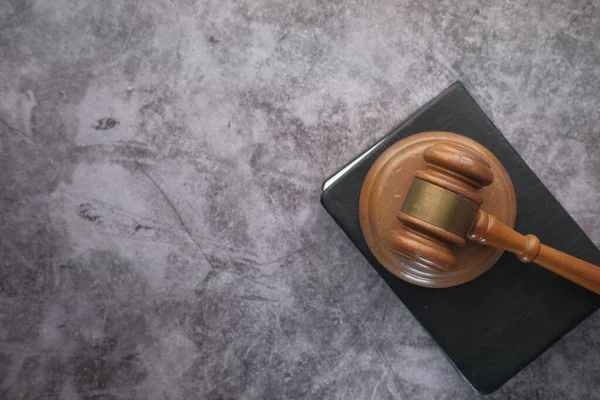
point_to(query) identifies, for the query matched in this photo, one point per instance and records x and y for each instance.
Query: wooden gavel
(442, 209)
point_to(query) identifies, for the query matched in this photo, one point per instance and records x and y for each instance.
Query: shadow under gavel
(442, 209)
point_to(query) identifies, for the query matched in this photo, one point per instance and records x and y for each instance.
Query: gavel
(442, 211)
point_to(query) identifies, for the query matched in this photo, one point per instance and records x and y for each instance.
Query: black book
(494, 326)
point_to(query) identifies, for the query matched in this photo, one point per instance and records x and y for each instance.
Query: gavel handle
(488, 230)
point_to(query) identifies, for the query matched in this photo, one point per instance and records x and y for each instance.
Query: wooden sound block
(385, 189)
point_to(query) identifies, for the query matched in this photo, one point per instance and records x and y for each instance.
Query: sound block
(493, 326)
(385, 189)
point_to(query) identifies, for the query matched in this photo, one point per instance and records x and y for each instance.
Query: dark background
(161, 164)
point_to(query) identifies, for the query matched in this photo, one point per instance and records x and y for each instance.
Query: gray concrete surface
(161, 161)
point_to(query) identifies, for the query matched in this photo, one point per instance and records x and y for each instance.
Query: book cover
(494, 326)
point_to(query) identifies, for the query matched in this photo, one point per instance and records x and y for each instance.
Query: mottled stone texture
(161, 235)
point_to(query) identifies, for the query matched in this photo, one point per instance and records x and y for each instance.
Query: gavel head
(441, 205)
